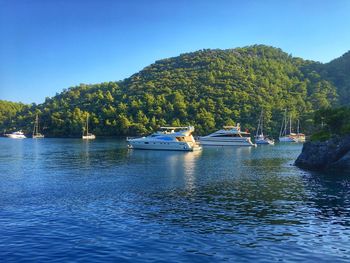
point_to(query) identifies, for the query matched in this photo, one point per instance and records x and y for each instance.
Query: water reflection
(228, 204)
(190, 162)
(104, 200)
(171, 165)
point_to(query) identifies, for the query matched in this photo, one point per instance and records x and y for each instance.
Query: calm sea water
(69, 200)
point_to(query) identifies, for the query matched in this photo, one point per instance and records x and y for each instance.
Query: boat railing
(173, 128)
(128, 138)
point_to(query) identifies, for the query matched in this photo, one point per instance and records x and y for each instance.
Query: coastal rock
(331, 154)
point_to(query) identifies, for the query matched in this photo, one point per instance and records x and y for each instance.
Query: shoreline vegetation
(207, 89)
(329, 148)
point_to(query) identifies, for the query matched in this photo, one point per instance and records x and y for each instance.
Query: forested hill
(8, 111)
(207, 88)
(338, 72)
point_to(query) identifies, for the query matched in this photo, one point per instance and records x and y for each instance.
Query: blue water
(69, 200)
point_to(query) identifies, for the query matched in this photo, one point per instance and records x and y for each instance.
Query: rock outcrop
(331, 154)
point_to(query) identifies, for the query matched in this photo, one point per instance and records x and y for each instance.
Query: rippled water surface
(65, 200)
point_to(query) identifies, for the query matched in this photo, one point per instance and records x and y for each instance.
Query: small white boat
(168, 138)
(299, 137)
(259, 137)
(228, 136)
(89, 136)
(16, 135)
(36, 133)
(285, 135)
(86, 134)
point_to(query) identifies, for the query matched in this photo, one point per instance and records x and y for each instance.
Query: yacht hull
(286, 139)
(89, 137)
(169, 146)
(224, 142)
(12, 136)
(299, 138)
(264, 142)
(38, 136)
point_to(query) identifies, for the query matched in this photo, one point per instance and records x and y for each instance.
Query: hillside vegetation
(332, 123)
(8, 111)
(338, 72)
(207, 88)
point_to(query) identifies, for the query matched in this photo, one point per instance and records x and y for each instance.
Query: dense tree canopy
(8, 111)
(207, 89)
(332, 122)
(338, 72)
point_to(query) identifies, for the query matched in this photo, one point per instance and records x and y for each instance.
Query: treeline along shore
(206, 89)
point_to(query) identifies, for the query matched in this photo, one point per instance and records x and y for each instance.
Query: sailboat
(259, 136)
(86, 134)
(36, 133)
(299, 137)
(286, 136)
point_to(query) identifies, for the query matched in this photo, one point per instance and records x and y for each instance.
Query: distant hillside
(8, 111)
(207, 88)
(338, 72)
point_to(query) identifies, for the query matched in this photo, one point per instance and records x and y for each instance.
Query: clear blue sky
(46, 46)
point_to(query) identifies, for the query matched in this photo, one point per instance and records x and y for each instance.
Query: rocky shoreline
(331, 154)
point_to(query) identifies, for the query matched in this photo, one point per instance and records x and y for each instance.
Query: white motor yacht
(168, 138)
(16, 135)
(228, 136)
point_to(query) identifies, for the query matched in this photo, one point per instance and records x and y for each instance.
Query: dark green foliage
(321, 136)
(332, 122)
(8, 111)
(338, 72)
(207, 89)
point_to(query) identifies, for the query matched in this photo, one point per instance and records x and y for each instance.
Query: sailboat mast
(285, 123)
(257, 130)
(290, 123)
(37, 126)
(87, 124)
(298, 127)
(262, 122)
(283, 126)
(34, 127)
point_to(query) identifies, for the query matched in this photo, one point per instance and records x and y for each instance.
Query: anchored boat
(259, 137)
(86, 134)
(228, 136)
(285, 135)
(167, 138)
(299, 137)
(36, 133)
(16, 135)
